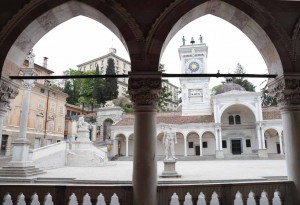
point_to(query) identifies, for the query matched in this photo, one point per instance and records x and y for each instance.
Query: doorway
(278, 148)
(236, 146)
(3, 144)
(197, 150)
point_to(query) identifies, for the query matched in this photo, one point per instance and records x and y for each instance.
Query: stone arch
(209, 143)
(33, 21)
(160, 148)
(107, 123)
(247, 105)
(272, 140)
(120, 141)
(130, 144)
(193, 140)
(263, 32)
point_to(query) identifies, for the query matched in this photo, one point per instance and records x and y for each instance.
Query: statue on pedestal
(169, 141)
(81, 124)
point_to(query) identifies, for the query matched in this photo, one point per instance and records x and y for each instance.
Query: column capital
(144, 88)
(286, 89)
(8, 91)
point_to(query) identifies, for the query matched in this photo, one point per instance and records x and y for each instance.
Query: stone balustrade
(252, 193)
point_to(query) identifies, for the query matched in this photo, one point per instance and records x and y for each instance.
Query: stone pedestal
(83, 153)
(263, 154)
(169, 169)
(219, 154)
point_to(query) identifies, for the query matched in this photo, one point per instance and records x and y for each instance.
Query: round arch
(193, 141)
(274, 52)
(35, 23)
(130, 144)
(272, 141)
(120, 140)
(208, 143)
(247, 105)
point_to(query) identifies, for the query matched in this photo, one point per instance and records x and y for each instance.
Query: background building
(46, 118)
(123, 67)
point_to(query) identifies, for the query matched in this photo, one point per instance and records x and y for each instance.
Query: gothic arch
(37, 18)
(263, 32)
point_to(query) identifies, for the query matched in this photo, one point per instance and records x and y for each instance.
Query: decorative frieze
(286, 89)
(143, 90)
(8, 91)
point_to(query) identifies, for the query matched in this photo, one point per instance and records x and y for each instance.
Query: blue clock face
(194, 66)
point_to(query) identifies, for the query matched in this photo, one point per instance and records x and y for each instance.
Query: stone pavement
(214, 171)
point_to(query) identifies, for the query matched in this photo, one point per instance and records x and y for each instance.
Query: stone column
(20, 155)
(219, 149)
(8, 91)
(201, 148)
(127, 139)
(262, 152)
(286, 89)
(258, 133)
(185, 145)
(144, 90)
(280, 142)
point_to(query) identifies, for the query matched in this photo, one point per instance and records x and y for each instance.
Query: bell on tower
(192, 41)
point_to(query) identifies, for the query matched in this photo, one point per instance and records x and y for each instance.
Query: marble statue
(169, 141)
(30, 58)
(81, 124)
(183, 40)
(201, 39)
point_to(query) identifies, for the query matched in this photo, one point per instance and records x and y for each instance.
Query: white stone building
(122, 67)
(227, 124)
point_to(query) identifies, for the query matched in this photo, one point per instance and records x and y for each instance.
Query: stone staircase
(8, 171)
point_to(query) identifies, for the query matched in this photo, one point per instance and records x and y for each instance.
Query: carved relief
(286, 90)
(7, 92)
(144, 91)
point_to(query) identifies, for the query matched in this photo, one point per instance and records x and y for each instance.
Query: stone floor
(206, 171)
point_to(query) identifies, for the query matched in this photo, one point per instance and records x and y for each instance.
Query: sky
(81, 39)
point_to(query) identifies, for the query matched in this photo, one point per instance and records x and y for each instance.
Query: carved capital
(28, 84)
(286, 89)
(144, 88)
(8, 91)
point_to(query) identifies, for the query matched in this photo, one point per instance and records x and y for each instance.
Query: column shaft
(185, 146)
(258, 137)
(201, 147)
(220, 139)
(1, 127)
(280, 143)
(127, 146)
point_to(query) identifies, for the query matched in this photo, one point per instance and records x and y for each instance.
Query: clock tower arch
(195, 91)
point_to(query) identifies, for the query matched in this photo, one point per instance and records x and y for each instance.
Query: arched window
(231, 120)
(237, 119)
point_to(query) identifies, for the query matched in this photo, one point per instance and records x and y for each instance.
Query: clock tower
(195, 90)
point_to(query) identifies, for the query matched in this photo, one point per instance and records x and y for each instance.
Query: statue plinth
(170, 169)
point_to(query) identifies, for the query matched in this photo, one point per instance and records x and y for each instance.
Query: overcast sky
(82, 39)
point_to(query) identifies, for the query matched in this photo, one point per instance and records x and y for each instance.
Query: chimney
(45, 63)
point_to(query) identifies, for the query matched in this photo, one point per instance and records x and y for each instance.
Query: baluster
(100, 200)
(174, 199)
(35, 199)
(276, 199)
(21, 199)
(188, 199)
(238, 199)
(114, 200)
(7, 199)
(201, 199)
(73, 200)
(251, 199)
(264, 198)
(86, 199)
(48, 200)
(214, 199)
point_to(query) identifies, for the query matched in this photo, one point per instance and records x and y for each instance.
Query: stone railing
(256, 193)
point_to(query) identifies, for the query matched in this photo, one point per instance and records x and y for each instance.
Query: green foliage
(124, 103)
(81, 90)
(266, 99)
(165, 98)
(110, 91)
(216, 88)
(241, 81)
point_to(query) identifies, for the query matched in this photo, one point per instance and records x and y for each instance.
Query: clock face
(193, 66)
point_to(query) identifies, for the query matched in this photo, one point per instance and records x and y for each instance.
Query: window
(248, 143)
(204, 144)
(237, 119)
(39, 124)
(52, 107)
(191, 145)
(50, 126)
(42, 90)
(41, 105)
(231, 120)
(266, 145)
(224, 144)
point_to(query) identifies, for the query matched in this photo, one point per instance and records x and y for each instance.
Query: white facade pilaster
(258, 133)
(185, 144)
(127, 139)
(201, 145)
(281, 142)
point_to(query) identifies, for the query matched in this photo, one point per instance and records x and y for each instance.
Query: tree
(110, 91)
(241, 81)
(124, 103)
(98, 88)
(266, 99)
(165, 94)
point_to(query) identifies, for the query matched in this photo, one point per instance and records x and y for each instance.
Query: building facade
(229, 123)
(46, 117)
(122, 67)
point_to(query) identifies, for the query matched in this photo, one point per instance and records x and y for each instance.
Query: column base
(219, 154)
(169, 170)
(263, 154)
